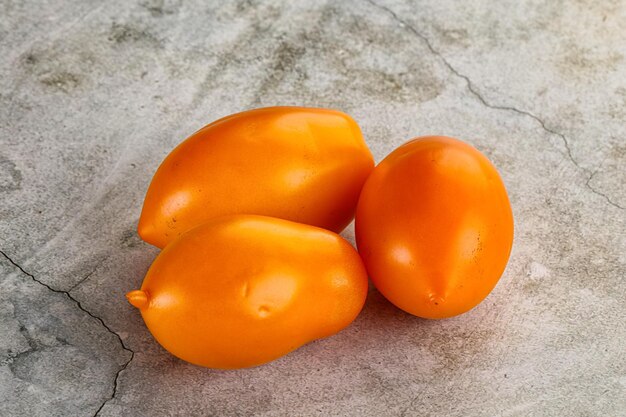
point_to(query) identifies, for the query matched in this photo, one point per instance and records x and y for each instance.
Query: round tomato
(434, 227)
(300, 164)
(242, 290)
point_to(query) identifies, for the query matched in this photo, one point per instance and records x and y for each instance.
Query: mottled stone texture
(94, 94)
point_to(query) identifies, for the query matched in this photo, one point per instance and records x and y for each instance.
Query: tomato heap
(247, 211)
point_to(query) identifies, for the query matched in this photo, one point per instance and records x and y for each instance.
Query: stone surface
(94, 94)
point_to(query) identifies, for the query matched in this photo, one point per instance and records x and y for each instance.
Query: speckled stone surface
(94, 94)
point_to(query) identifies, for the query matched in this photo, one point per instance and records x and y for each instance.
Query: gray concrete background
(94, 94)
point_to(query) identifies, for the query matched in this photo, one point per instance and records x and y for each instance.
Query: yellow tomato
(301, 164)
(243, 290)
(434, 227)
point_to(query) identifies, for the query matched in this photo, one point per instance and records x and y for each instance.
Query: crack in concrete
(587, 183)
(472, 89)
(95, 268)
(80, 306)
(83, 279)
(117, 375)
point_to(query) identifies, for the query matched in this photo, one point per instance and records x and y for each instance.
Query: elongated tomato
(434, 227)
(243, 290)
(301, 164)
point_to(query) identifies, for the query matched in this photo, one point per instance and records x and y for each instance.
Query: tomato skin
(434, 227)
(301, 164)
(243, 290)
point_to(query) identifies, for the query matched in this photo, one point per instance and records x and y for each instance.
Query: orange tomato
(434, 227)
(301, 164)
(243, 290)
